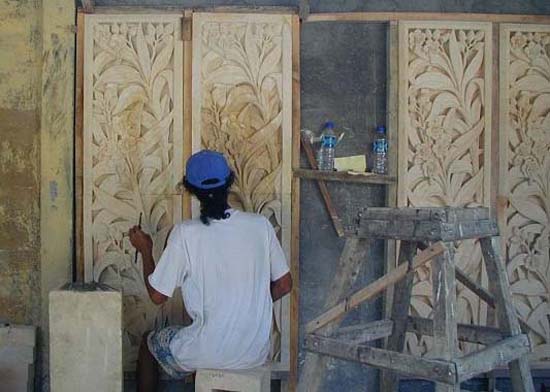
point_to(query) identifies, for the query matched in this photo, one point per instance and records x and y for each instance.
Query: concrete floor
(166, 386)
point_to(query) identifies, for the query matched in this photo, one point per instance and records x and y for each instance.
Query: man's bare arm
(281, 287)
(143, 243)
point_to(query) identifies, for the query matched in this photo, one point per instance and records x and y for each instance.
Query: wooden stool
(250, 380)
(415, 228)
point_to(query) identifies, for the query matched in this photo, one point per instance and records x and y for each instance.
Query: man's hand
(141, 241)
(144, 244)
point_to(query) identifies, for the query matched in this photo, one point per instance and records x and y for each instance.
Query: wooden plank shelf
(344, 177)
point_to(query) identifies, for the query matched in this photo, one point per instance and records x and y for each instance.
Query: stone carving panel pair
(133, 154)
(445, 141)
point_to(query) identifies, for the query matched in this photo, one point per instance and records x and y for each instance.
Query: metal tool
(139, 225)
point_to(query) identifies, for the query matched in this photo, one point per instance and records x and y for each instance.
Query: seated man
(229, 266)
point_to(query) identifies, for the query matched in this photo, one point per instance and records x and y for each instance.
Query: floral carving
(527, 174)
(242, 109)
(446, 129)
(129, 154)
(243, 77)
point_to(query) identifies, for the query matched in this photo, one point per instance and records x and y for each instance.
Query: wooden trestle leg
(507, 318)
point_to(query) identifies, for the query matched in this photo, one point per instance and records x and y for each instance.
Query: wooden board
(358, 178)
(78, 146)
(424, 16)
(295, 241)
(132, 153)
(242, 107)
(392, 111)
(524, 183)
(444, 140)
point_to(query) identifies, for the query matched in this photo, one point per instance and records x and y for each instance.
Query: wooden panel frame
(174, 156)
(423, 16)
(286, 124)
(523, 258)
(293, 153)
(295, 230)
(78, 142)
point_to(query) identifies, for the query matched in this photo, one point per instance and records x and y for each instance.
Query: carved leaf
(434, 81)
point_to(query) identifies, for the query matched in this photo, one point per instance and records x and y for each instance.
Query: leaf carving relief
(444, 143)
(242, 108)
(525, 176)
(132, 155)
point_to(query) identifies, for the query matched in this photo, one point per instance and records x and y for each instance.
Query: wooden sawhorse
(415, 228)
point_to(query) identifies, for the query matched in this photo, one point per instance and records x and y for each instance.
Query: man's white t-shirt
(224, 271)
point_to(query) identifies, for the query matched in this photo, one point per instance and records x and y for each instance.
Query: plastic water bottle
(380, 151)
(325, 158)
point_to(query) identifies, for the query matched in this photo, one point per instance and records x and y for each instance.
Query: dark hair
(213, 201)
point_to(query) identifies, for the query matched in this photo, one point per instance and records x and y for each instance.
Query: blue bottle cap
(329, 124)
(380, 129)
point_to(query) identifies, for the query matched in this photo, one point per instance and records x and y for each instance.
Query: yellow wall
(20, 65)
(37, 65)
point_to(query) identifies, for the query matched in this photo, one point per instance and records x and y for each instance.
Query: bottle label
(329, 141)
(380, 146)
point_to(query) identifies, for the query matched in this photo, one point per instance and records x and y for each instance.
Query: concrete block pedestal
(86, 339)
(251, 380)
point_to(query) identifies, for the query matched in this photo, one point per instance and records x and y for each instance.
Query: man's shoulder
(188, 224)
(252, 217)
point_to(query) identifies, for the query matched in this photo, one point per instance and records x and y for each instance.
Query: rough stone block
(86, 339)
(17, 358)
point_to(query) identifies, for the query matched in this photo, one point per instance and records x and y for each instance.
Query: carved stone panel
(132, 153)
(524, 179)
(242, 107)
(444, 141)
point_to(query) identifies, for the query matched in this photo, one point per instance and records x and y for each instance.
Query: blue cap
(329, 124)
(381, 129)
(207, 170)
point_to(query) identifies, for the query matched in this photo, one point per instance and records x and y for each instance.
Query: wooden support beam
(88, 6)
(187, 35)
(486, 297)
(295, 221)
(362, 333)
(310, 155)
(427, 16)
(498, 354)
(445, 339)
(392, 109)
(431, 369)
(520, 374)
(400, 309)
(474, 287)
(466, 332)
(303, 9)
(374, 288)
(359, 178)
(426, 224)
(143, 9)
(79, 147)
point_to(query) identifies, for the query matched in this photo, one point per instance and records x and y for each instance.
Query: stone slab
(17, 356)
(86, 340)
(252, 380)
